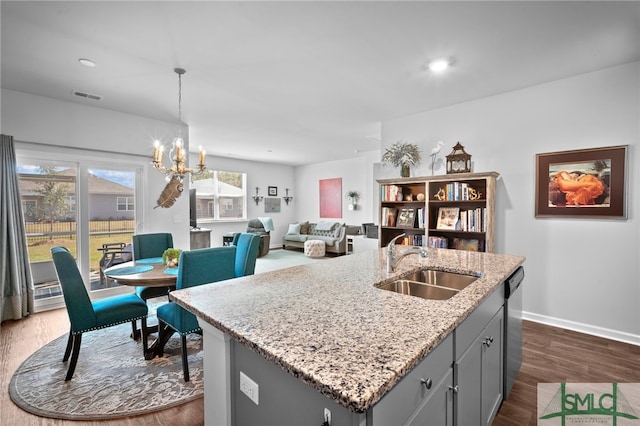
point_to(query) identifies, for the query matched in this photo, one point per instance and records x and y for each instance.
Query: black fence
(38, 231)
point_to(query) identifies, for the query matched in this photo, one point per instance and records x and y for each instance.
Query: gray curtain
(16, 284)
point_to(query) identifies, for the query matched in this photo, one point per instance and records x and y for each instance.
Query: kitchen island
(329, 329)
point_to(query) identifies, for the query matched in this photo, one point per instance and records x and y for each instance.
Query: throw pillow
(294, 229)
(304, 227)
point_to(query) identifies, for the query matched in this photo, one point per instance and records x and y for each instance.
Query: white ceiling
(302, 82)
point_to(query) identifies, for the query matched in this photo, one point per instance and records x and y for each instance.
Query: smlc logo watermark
(615, 404)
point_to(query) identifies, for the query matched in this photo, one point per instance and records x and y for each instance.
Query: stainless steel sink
(426, 291)
(440, 278)
(430, 284)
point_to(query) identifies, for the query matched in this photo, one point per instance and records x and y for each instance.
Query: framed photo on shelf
(585, 183)
(448, 217)
(272, 191)
(406, 218)
(469, 244)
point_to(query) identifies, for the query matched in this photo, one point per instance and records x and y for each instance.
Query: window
(52, 193)
(125, 204)
(29, 209)
(221, 195)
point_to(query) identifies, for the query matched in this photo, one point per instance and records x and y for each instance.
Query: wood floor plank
(550, 355)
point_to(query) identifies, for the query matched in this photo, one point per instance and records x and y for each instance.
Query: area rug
(112, 378)
(281, 258)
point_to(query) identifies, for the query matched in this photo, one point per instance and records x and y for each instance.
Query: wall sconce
(353, 196)
(286, 198)
(257, 198)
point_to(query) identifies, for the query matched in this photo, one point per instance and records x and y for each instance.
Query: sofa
(333, 234)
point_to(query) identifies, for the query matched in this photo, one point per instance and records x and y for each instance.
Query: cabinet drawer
(469, 329)
(401, 401)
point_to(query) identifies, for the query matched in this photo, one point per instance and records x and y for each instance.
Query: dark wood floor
(551, 355)
(555, 355)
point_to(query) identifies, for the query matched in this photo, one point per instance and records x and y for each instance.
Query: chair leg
(77, 339)
(185, 364)
(164, 334)
(145, 335)
(135, 333)
(67, 351)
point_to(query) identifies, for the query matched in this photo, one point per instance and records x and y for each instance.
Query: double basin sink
(430, 284)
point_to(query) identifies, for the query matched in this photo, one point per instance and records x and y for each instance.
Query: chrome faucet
(392, 260)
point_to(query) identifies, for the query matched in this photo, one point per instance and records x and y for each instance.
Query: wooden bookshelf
(455, 210)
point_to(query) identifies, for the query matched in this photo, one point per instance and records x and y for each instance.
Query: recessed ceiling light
(439, 65)
(87, 62)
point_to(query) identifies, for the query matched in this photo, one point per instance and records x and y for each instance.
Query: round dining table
(143, 272)
(149, 273)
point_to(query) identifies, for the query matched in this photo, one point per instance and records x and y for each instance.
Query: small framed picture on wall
(272, 191)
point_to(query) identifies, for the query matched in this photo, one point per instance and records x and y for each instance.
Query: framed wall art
(331, 198)
(585, 183)
(272, 191)
(272, 205)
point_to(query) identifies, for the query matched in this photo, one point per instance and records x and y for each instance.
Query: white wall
(261, 175)
(356, 174)
(580, 273)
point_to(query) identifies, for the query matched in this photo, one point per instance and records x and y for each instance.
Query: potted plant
(404, 155)
(170, 257)
(353, 196)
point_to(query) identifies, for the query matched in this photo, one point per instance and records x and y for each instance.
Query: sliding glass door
(49, 194)
(90, 210)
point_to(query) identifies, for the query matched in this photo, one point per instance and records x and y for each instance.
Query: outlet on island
(249, 387)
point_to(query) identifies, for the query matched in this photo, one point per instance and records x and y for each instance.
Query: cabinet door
(468, 379)
(492, 368)
(478, 375)
(438, 408)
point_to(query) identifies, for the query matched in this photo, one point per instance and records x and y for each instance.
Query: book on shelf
(412, 240)
(406, 218)
(438, 242)
(421, 217)
(448, 218)
(388, 216)
(390, 192)
(457, 191)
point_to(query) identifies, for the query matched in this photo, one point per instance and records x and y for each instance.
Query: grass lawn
(41, 250)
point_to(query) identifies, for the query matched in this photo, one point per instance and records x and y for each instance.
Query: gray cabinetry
(422, 396)
(458, 383)
(437, 409)
(478, 364)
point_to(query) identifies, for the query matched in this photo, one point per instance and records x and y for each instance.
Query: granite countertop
(329, 326)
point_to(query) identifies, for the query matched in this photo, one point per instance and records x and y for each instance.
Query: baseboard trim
(607, 333)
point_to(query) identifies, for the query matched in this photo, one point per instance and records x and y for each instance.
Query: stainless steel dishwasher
(512, 329)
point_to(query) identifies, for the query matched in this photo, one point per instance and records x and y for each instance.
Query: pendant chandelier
(178, 168)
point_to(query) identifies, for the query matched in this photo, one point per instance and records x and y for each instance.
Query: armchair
(86, 315)
(256, 226)
(197, 267)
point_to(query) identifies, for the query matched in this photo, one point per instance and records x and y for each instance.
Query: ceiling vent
(87, 95)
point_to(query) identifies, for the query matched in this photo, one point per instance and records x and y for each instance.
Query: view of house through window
(50, 203)
(220, 195)
(111, 222)
(50, 218)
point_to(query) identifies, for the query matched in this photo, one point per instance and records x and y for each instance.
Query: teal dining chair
(147, 246)
(86, 315)
(197, 267)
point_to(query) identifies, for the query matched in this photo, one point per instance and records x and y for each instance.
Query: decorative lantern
(458, 161)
